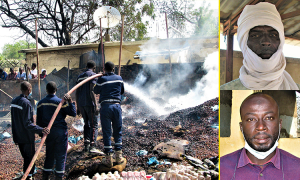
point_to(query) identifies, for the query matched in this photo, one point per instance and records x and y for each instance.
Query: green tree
(183, 17)
(65, 22)
(10, 51)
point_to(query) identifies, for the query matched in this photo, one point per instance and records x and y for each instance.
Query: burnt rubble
(141, 131)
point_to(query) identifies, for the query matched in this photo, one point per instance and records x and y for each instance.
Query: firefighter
(87, 107)
(57, 140)
(23, 128)
(110, 87)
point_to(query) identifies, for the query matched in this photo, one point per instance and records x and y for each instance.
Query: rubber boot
(45, 176)
(108, 160)
(119, 158)
(86, 146)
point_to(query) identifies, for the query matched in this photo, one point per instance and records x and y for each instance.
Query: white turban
(256, 73)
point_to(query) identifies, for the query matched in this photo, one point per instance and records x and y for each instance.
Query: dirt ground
(196, 127)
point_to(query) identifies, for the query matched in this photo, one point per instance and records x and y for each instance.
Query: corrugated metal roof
(288, 9)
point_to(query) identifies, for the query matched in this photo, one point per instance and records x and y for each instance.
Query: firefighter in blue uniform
(110, 87)
(23, 128)
(57, 140)
(87, 107)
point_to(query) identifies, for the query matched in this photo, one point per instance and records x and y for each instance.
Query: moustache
(262, 133)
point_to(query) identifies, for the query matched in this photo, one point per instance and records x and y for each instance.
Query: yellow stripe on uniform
(52, 104)
(47, 104)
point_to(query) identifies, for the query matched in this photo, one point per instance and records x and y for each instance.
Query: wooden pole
(68, 80)
(26, 71)
(121, 41)
(229, 57)
(168, 43)
(101, 45)
(6, 93)
(37, 58)
(52, 121)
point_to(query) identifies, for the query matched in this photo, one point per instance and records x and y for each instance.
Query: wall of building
(236, 141)
(292, 66)
(57, 57)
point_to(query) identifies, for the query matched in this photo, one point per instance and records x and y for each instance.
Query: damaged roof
(288, 9)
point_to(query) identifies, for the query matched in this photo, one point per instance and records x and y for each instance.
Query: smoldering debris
(191, 124)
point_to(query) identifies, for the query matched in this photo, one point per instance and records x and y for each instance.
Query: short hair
(109, 66)
(90, 64)
(11, 69)
(34, 64)
(51, 87)
(25, 86)
(257, 94)
(1, 70)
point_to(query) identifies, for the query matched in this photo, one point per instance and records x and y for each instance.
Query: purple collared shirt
(237, 166)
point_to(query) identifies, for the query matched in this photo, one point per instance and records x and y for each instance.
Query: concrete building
(152, 52)
(57, 57)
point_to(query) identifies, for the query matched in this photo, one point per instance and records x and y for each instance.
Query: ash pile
(150, 143)
(154, 143)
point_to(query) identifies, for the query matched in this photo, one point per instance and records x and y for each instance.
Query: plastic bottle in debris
(195, 162)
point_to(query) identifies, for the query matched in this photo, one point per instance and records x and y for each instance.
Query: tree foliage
(191, 21)
(65, 22)
(11, 51)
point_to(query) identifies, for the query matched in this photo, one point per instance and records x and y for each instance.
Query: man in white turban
(261, 38)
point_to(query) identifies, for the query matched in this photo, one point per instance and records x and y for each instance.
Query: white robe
(257, 73)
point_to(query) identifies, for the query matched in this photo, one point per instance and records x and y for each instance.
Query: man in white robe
(261, 38)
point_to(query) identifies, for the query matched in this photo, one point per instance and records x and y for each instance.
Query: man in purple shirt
(260, 158)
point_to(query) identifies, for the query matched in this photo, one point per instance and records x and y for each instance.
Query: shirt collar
(244, 160)
(110, 73)
(51, 95)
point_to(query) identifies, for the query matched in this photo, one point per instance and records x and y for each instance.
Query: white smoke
(145, 98)
(206, 88)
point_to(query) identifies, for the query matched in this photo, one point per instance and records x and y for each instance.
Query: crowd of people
(21, 75)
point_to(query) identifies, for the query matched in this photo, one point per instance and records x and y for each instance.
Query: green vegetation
(10, 56)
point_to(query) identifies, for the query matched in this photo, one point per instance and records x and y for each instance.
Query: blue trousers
(56, 149)
(90, 124)
(111, 116)
(27, 152)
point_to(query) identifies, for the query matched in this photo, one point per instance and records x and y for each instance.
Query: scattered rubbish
(142, 153)
(215, 107)
(215, 126)
(18, 175)
(69, 147)
(74, 140)
(79, 125)
(4, 136)
(123, 98)
(172, 149)
(154, 161)
(138, 175)
(207, 165)
(148, 177)
(103, 176)
(185, 173)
